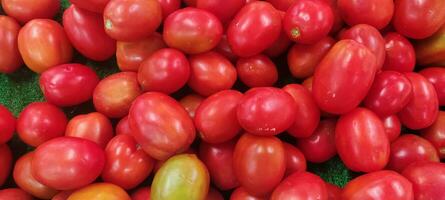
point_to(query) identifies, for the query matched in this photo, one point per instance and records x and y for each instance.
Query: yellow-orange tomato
(100, 191)
(10, 58)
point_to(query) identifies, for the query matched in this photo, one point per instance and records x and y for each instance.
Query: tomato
(432, 49)
(282, 5)
(25, 180)
(97, 6)
(338, 20)
(7, 125)
(114, 94)
(377, 13)
(14, 194)
(334, 192)
(132, 20)
(307, 83)
(266, 111)
(361, 141)
(169, 6)
(93, 126)
(40, 122)
(44, 44)
(300, 185)
(123, 126)
(160, 125)
(400, 55)
(320, 146)
(100, 191)
(423, 107)
(191, 3)
(436, 134)
(62, 195)
(224, 10)
(214, 195)
(392, 127)
(340, 80)
(141, 194)
(224, 49)
(127, 165)
(307, 109)
(26, 10)
(308, 21)
(280, 45)
(68, 84)
(241, 194)
(211, 73)
(219, 160)
(85, 31)
(436, 76)
(303, 58)
(389, 184)
(192, 30)
(259, 170)
(190, 103)
(418, 19)
(6, 160)
(67, 163)
(181, 177)
(295, 161)
(428, 179)
(256, 21)
(166, 70)
(9, 31)
(257, 71)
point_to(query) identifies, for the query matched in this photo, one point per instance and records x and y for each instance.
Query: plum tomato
(282, 5)
(241, 194)
(214, 195)
(280, 45)
(334, 192)
(9, 31)
(62, 195)
(295, 161)
(224, 49)
(93, 126)
(6, 160)
(26, 10)
(190, 103)
(224, 10)
(377, 13)
(141, 194)
(400, 54)
(392, 127)
(7, 124)
(257, 71)
(14, 194)
(436, 134)
(320, 146)
(307, 83)
(169, 6)
(100, 191)
(68, 84)
(300, 185)
(428, 179)
(436, 76)
(97, 6)
(123, 126)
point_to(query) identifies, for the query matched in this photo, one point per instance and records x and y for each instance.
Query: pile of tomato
(369, 82)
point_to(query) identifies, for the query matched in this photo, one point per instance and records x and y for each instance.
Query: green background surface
(21, 88)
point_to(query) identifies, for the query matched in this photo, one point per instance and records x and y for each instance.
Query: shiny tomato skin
(190, 103)
(132, 20)
(7, 124)
(428, 179)
(6, 160)
(266, 111)
(377, 13)
(422, 109)
(320, 146)
(256, 21)
(86, 33)
(392, 127)
(93, 126)
(400, 54)
(192, 30)
(334, 192)
(169, 6)
(418, 19)
(303, 58)
(241, 194)
(100, 191)
(26, 10)
(43, 44)
(295, 161)
(67, 163)
(126, 165)
(257, 71)
(307, 114)
(9, 31)
(114, 94)
(341, 81)
(210, 73)
(166, 70)
(40, 122)
(14, 194)
(161, 125)
(259, 171)
(389, 184)
(97, 6)
(141, 194)
(25, 180)
(436, 76)
(361, 141)
(68, 84)
(123, 126)
(436, 134)
(224, 10)
(219, 161)
(308, 21)
(301, 185)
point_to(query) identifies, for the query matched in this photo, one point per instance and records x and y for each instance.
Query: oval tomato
(300, 185)
(224, 49)
(123, 126)
(7, 125)
(392, 127)
(428, 179)
(377, 13)
(320, 146)
(257, 71)
(6, 160)
(62, 195)
(97, 6)
(295, 161)
(224, 10)
(100, 191)
(141, 194)
(190, 103)
(432, 49)
(9, 31)
(14, 194)
(169, 6)
(25, 10)
(282, 5)
(400, 54)
(280, 45)
(436, 134)
(241, 194)
(94, 126)
(334, 192)
(436, 76)
(214, 195)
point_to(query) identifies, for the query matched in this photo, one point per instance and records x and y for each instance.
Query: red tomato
(114, 94)
(257, 71)
(91, 5)
(361, 141)
(377, 13)
(300, 185)
(6, 160)
(40, 122)
(255, 22)
(62, 195)
(127, 165)
(100, 191)
(215, 117)
(428, 179)
(241, 194)
(224, 10)
(26, 10)
(68, 84)
(266, 111)
(67, 163)
(338, 20)
(308, 21)
(7, 125)
(85, 31)
(295, 161)
(169, 6)
(282, 5)
(303, 58)
(423, 107)
(418, 19)
(392, 127)
(320, 146)
(340, 80)
(436, 76)
(192, 30)
(307, 109)
(161, 125)
(9, 31)
(219, 160)
(400, 54)
(166, 70)
(224, 49)
(214, 195)
(190, 103)
(14, 194)
(379, 185)
(141, 194)
(436, 134)
(211, 73)
(123, 127)
(93, 126)
(334, 192)
(44, 44)
(307, 83)
(259, 163)
(390, 92)
(25, 180)
(132, 20)
(280, 45)
(190, 2)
